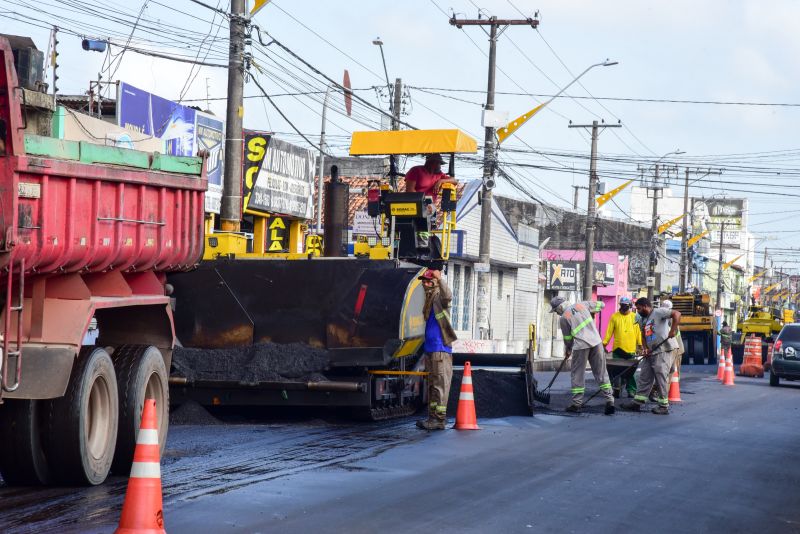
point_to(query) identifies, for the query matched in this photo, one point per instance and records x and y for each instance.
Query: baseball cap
(555, 302)
(666, 304)
(427, 275)
(625, 300)
(435, 158)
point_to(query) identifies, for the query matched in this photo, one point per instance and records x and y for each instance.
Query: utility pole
(575, 195)
(765, 281)
(489, 162)
(54, 59)
(231, 209)
(651, 271)
(398, 103)
(719, 269)
(591, 211)
(684, 235)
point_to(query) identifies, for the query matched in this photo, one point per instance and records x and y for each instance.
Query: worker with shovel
(627, 339)
(582, 342)
(439, 337)
(659, 327)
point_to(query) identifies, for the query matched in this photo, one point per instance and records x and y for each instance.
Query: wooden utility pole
(483, 270)
(651, 271)
(719, 269)
(397, 98)
(231, 208)
(591, 211)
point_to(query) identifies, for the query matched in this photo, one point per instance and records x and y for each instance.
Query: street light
(377, 42)
(513, 126)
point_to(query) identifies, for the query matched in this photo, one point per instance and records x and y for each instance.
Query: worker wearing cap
(659, 328)
(582, 342)
(627, 339)
(439, 337)
(428, 178)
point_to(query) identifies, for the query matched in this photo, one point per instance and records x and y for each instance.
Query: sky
(721, 51)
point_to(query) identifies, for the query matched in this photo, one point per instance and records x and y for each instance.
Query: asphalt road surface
(724, 460)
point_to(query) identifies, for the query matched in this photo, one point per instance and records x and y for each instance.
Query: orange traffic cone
(728, 371)
(142, 511)
(675, 387)
(721, 366)
(465, 415)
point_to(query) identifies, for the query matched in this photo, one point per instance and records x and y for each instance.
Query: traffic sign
(718, 313)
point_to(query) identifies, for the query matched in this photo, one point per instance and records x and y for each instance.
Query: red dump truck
(86, 232)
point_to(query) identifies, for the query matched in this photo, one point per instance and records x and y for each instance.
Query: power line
(624, 99)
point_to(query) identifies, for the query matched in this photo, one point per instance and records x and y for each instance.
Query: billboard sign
(604, 273)
(183, 131)
(711, 213)
(210, 136)
(563, 275)
(278, 177)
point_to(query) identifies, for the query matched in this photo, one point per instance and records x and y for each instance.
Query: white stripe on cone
(147, 436)
(145, 470)
(675, 378)
(466, 380)
(466, 396)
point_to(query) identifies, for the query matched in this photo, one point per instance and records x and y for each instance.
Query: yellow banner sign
(602, 199)
(505, 132)
(257, 5)
(734, 260)
(773, 286)
(664, 227)
(697, 238)
(757, 276)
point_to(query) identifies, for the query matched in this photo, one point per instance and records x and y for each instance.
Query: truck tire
(141, 374)
(82, 425)
(22, 458)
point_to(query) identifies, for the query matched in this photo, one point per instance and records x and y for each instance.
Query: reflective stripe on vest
(578, 329)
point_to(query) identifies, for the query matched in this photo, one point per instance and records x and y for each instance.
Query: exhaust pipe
(337, 196)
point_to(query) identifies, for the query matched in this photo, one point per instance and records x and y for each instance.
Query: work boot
(631, 406)
(660, 410)
(430, 424)
(610, 408)
(574, 408)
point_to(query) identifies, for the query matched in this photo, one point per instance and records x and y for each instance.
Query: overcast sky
(722, 51)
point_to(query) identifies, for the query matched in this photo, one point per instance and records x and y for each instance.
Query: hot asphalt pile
(264, 362)
(192, 413)
(497, 394)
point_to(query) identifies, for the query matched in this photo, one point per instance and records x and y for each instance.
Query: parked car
(786, 355)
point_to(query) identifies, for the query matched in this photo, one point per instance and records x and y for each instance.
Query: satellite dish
(348, 93)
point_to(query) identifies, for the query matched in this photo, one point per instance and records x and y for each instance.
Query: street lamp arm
(509, 129)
